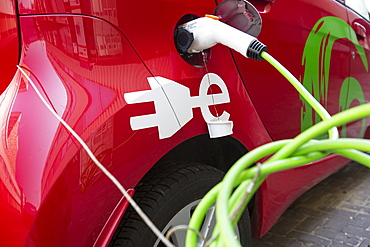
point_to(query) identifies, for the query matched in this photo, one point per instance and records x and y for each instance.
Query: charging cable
(144, 217)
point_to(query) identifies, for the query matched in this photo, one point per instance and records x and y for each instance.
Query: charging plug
(203, 33)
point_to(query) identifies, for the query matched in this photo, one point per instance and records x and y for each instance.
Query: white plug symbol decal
(174, 105)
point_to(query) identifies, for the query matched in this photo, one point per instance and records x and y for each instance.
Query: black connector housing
(255, 49)
(183, 39)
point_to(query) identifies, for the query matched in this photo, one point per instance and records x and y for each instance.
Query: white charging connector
(205, 32)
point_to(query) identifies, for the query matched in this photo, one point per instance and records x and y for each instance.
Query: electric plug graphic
(174, 104)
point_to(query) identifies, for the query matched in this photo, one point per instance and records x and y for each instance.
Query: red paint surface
(9, 49)
(85, 60)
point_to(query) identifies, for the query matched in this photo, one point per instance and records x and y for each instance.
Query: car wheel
(169, 194)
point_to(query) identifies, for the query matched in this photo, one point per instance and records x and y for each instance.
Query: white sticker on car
(174, 105)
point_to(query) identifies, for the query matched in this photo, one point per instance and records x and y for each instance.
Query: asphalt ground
(334, 213)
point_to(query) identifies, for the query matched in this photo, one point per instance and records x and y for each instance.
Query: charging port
(184, 39)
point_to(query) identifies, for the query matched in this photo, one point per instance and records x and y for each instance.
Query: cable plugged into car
(203, 33)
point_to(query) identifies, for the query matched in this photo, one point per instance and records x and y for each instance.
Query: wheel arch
(162, 181)
(220, 153)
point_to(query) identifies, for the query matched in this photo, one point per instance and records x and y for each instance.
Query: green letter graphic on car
(316, 61)
(351, 90)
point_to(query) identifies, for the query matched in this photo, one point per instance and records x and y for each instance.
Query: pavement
(334, 213)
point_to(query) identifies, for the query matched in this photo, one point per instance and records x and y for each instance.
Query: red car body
(87, 55)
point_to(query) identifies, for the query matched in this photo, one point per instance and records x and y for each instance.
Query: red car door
(312, 40)
(356, 88)
(301, 35)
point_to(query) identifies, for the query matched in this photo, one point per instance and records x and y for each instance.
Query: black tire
(162, 193)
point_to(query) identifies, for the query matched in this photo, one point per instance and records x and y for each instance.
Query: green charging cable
(241, 181)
